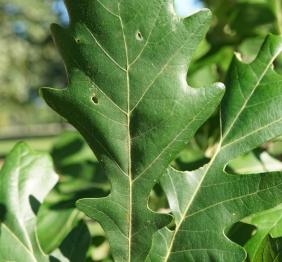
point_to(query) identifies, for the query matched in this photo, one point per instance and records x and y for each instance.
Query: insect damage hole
(139, 36)
(94, 99)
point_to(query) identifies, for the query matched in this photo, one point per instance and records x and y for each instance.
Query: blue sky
(60, 9)
(186, 7)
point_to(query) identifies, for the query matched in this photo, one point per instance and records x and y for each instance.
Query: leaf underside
(25, 180)
(127, 63)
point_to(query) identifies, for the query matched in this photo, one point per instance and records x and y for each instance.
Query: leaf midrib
(19, 241)
(128, 135)
(219, 149)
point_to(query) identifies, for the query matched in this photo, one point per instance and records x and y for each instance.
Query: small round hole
(94, 99)
(77, 40)
(139, 36)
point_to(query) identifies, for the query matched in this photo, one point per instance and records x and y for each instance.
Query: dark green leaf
(55, 225)
(74, 248)
(127, 63)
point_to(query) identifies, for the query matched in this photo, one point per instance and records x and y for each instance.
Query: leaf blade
(142, 59)
(222, 199)
(22, 189)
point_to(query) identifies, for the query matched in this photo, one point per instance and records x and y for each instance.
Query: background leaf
(75, 246)
(251, 115)
(25, 180)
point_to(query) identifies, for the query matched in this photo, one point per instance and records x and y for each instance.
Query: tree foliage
(145, 115)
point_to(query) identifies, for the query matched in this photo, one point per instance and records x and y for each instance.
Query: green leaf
(270, 250)
(255, 163)
(55, 225)
(25, 180)
(268, 225)
(128, 96)
(207, 202)
(74, 248)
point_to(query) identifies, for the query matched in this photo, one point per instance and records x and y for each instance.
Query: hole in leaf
(139, 36)
(240, 233)
(157, 200)
(94, 99)
(199, 150)
(77, 40)
(101, 250)
(259, 160)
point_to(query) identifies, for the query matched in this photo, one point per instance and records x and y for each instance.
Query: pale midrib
(128, 137)
(219, 149)
(248, 98)
(22, 166)
(251, 133)
(19, 241)
(183, 217)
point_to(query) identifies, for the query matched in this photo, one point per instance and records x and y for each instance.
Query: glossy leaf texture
(25, 180)
(127, 63)
(207, 202)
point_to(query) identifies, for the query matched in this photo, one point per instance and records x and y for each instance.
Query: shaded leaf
(74, 248)
(25, 180)
(271, 250)
(208, 204)
(268, 225)
(55, 225)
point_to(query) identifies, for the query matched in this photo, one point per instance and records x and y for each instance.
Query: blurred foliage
(80, 176)
(237, 26)
(28, 60)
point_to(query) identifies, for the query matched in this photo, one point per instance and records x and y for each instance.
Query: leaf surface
(25, 180)
(127, 63)
(54, 225)
(75, 246)
(268, 225)
(208, 201)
